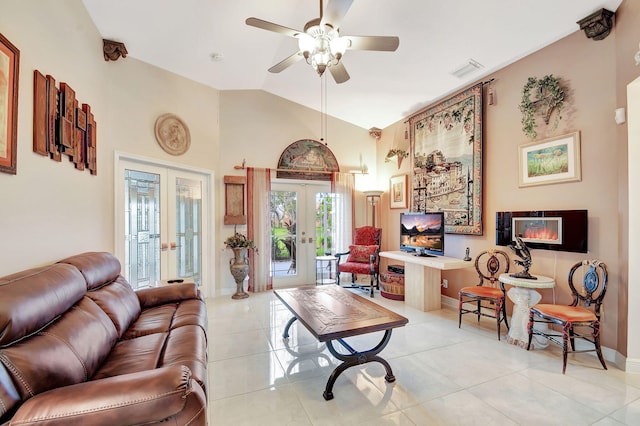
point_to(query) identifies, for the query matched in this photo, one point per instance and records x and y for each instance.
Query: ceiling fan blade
(339, 73)
(270, 26)
(334, 12)
(387, 44)
(286, 63)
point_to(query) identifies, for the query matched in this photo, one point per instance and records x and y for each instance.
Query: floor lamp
(373, 199)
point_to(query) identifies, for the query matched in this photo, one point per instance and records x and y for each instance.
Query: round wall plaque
(172, 134)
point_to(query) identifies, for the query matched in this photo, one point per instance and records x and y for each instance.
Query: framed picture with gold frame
(552, 160)
(9, 72)
(398, 192)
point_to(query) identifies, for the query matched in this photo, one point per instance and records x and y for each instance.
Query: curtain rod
(242, 167)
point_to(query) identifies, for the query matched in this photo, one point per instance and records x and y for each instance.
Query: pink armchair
(363, 257)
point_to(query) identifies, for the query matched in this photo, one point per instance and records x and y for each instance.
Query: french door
(301, 229)
(160, 231)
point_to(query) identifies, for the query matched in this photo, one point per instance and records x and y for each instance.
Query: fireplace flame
(541, 234)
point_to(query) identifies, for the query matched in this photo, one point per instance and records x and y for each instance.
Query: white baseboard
(449, 302)
(631, 365)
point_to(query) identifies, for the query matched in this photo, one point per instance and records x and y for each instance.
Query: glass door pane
(142, 227)
(301, 220)
(162, 228)
(284, 236)
(188, 230)
(324, 223)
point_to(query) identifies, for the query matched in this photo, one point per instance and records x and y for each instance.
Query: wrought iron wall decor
(541, 97)
(446, 155)
(61, 126)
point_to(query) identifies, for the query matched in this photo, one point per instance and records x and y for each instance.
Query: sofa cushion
(187, 346)
(134, 355)
(155, 296)
(190, 312)
(119, 302)
(355, 268)
(154, 320)
(67, 351)
(32, 298)
(98, 268)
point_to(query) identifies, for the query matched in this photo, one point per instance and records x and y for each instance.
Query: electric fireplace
(561, 230)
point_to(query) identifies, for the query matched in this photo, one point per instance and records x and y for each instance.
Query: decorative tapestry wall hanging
(446, 155)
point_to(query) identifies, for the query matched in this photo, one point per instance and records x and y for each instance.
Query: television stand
(422, 277)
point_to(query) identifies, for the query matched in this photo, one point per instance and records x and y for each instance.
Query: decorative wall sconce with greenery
(541, 97)
(397, 153)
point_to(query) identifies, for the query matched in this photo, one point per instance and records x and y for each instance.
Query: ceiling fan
(321, 44)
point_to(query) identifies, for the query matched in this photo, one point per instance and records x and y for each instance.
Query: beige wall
(589, 69)
(627, 39)
(50, 210)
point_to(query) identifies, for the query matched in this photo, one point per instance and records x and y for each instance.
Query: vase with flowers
(239, 265)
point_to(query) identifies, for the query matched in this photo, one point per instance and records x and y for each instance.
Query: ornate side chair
(487, 300)
(363, 257)
(586, 317)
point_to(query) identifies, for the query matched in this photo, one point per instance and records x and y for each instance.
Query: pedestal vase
(239, 267)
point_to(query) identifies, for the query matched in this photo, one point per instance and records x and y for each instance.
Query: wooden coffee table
(331, 314)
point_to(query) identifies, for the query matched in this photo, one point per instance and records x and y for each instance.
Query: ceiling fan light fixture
(306, 43)
(338, 45)
(321, 45)
(320, 68)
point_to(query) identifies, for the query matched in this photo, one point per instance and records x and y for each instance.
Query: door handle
(310, 240)
(164, 247)
(173, 246)
(303, 240)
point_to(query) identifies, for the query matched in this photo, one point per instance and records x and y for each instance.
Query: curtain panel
(343, 186)
(259, 228)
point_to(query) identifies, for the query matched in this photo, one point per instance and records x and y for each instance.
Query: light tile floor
(444, 375)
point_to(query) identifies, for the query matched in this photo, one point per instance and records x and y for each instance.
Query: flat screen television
(422, 233)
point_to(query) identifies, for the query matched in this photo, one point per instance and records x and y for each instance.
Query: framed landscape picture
(9, 71)
(551, 160)
(398, 192)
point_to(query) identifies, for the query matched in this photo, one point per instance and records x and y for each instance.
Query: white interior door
(160, 231)
(300, 231)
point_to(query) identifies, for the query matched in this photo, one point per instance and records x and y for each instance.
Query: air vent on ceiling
(467, 68)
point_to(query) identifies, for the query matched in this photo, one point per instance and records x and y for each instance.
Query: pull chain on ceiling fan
(321, 44)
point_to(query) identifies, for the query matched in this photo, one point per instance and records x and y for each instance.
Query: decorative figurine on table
(466, 255)
(522, 251)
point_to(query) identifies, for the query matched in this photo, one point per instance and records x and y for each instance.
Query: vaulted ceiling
(209, 42)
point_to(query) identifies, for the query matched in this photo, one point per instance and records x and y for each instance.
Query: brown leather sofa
(79, 347)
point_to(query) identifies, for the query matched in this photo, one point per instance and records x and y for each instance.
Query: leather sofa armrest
(136, 398)
(155, 296)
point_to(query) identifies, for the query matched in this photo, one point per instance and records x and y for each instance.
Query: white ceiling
(436, 37)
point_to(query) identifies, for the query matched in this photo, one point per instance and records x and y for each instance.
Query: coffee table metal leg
(355, 358)
(285, 333)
